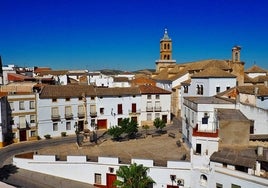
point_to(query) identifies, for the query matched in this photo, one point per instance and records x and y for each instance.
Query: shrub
(47, 136)
(63, 134)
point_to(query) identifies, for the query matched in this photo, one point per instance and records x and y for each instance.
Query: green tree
(129, 126)
(133, 176)
(115, 132)
(159, 124)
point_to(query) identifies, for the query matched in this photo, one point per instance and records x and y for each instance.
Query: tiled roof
(251, 89)
(255, 69)
(242, 157)
(203, 64)
(121, 79)
(53, 72)
(41, 69)
(231, 114)
(247, 79)
(117, 91)
(260, 79)
(61, 91)
(213, 72)
(208, 100)
(149, 89)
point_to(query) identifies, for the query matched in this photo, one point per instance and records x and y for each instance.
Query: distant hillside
(116, 72)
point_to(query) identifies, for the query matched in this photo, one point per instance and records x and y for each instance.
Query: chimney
(266, 83)
(256, 91)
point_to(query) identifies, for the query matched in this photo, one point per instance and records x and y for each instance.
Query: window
(32, 105)
(149, 107)
(149, 96)
(92, 98)
(119, 120)
(199, 89)
(157, 96)
(21, 105)
(55, 111)
(33, 133)
(93, 109)
(11, 104)
(97, 178)
(205, 120)
(149, 116)
(198, 148)
(228, 87)
(185, 89)
(80, 98)
(218, 89)
(218, 185)
(67, 99)
(235, 186)
(68, 125)
(80, 109)
(203, 179)
(32, 118)
(101, 110)
(157, 106)
(119, 109)
(55, 126)
(68, 112)
(22, 122)
(54, 100)
(133, 108)
(157, 115)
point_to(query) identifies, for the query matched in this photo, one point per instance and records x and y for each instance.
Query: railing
(134, 111)
(81, 114)
(213, 134)
(149, 109)
(55, 117)
(69, 116)
(157, 109)
(93, 114)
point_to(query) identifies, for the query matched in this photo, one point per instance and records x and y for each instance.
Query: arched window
(168, 46)
(197, 89)
(168, 57)
(165, 46)
(203, 179)
(236, 56)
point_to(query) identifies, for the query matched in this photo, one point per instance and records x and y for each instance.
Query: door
(110, 178)
(164, 118)
(23, 136)
(133, 108)
(80, 126)
(198, 148)
(172, 186)
(102, 123)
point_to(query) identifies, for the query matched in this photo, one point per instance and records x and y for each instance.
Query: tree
(159, 124)
(115, 132)
(133, 176)
(130, 127)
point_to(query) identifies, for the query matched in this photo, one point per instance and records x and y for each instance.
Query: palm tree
(133, 176)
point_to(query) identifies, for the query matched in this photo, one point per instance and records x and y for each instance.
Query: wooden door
(102, 123)
(110, 178)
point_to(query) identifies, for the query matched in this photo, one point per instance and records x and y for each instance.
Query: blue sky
(125, 34)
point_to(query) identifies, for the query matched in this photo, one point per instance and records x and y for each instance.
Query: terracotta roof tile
(231, 114)
(62, 91)
(208, 100)
(117, 91)
(121, 79)
(251, 89)
(255, 69)
(213, 72)
(149, 89)
(53, 72)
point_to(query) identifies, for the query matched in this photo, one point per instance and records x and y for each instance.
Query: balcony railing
(134, 111)
(69, 116)
(157, 109)
(149, 109)
(93, 114)
(55, 117)
(213, 134)
(81, 114)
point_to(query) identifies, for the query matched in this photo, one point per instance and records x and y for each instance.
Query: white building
(155, 103)
(65, 109)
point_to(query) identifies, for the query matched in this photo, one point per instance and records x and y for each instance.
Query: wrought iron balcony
(69, 116)
(55, 117)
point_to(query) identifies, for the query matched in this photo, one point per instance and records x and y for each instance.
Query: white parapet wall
(79, 169)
